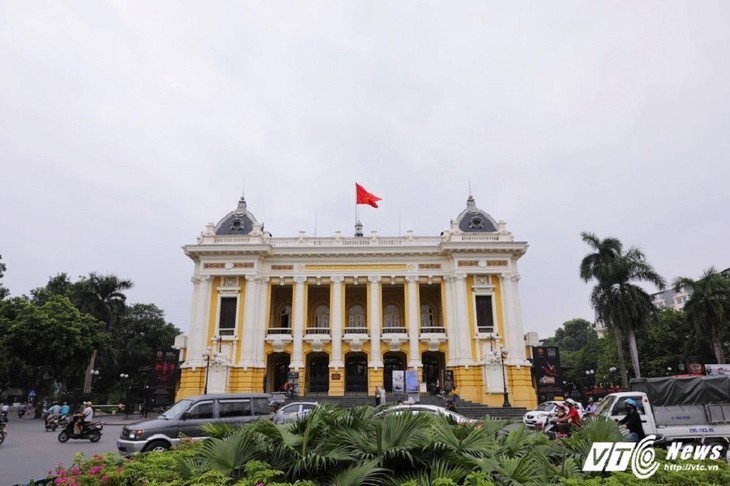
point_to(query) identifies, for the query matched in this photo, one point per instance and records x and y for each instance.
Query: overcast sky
(125, 127)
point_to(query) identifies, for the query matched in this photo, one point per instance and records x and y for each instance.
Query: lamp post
(123, 377)
(206, 357)
(589, 374)
(669, 371)
(94, 374)
(502, 355)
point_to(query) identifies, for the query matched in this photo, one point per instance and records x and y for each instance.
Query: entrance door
(278, 369)
(391, 362)
(433, 366)
(356, 373)
(319, 373)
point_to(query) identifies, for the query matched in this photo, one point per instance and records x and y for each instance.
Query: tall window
(227, 322)
(322, 316)
(391, 316)
(356, 316)
(485, 318)
(285, 317)
(427, 316)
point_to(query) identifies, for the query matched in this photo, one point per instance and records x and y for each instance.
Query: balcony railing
(395, 330)
(279, 330)
(485, 329)
(317, 330)
(356, 330)
(433, 330)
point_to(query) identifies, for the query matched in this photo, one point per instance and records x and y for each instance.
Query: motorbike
(21, 412)
(549, 426)
(91, 431)
(2, 432)
(55, 421)
(4, 417)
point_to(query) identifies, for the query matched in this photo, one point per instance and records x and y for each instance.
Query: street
(29, 452)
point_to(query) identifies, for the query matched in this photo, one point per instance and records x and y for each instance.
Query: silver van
(185, 417)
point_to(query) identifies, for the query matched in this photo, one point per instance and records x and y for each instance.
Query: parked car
(291, 412)
(543, 411)
(432, 409)
(186, 417)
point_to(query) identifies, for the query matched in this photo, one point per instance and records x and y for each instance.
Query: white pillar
(376, 357)
(197, 336)
(463, 335)
(297, 359)
(450, 318)
(517, 349)
(414, 317)
(262, 319)
(248, 358)
(336, 324)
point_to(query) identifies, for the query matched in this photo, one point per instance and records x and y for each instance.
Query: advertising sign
(546, 363)
(717, 369)
(411, 381)
(398, 381)
(293, 379)
(164, 377)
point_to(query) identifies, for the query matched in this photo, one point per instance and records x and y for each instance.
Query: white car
(294, 411)
(543, 411)
(432, 409)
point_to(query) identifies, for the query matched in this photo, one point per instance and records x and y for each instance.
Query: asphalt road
(30, 453)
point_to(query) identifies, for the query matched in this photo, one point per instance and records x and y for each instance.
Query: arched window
(391, 316)
(285, 317)
(428, 318)
(322, 316)
(356, 316)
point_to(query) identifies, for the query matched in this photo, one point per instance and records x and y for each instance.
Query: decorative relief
(230, 282)
(497, 263)
(282, 267)
(482, 280)
(243, 265)
(214, 265)
(397, 266)
(429, 266)
(468, 263)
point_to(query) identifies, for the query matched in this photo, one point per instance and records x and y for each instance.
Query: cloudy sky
(125, 127)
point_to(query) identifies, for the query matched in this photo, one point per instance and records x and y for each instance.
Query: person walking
(377, 396)
(382, 395)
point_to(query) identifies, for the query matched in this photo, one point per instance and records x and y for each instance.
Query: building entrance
(356, 373)
(319, 373)
(277, 372)
(433, 366)
(392, 361)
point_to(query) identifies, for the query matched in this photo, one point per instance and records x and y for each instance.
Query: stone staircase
(464, 407)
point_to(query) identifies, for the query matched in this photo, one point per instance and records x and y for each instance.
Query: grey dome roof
(474, 220)
(238, 222)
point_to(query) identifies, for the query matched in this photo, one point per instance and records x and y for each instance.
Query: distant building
(340, 315)
(671, 299)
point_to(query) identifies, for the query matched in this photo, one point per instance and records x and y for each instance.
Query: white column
(450, 318)
(462, 323)
(414, 317)
(336, 325)
(517, 348)
(262, 319)
(297, 359)
(248, 358)
(197, 336)
(376, 357)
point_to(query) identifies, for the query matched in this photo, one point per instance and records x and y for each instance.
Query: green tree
(619, 303)
(3, 291)
(708, 308)
(103, 297)
(54, 338)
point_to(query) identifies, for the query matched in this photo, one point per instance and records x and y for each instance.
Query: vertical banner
(164, 377)
(546, 363)
(449, 381)
(398, 381)
(412, 381)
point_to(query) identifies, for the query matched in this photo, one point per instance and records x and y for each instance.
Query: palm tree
(620, 304)
(103, 297)
(709, 306)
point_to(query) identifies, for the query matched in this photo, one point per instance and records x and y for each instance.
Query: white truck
(677, 409)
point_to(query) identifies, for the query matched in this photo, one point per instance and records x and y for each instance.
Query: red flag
(364, 197)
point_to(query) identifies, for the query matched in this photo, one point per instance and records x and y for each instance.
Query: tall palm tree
(620, 304)
(708, 308)
(103, 297)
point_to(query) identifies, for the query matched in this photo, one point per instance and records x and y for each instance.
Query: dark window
(234, 408)
(227, 322)
(485, 319)
(202, 410)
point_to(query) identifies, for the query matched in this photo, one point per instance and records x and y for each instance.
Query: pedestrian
(382, 395)
(377, 396)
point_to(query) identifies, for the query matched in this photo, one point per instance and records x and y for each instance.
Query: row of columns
(455, 315)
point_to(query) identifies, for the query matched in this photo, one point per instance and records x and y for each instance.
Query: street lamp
(589, 374)
(206, 357)
(123, 377)
(502, 355)
(669, 370)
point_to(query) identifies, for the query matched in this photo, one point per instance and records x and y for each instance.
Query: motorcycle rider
(570, 419)
(632, 420)
(65, 410)
(53, 413)
(4, 409)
